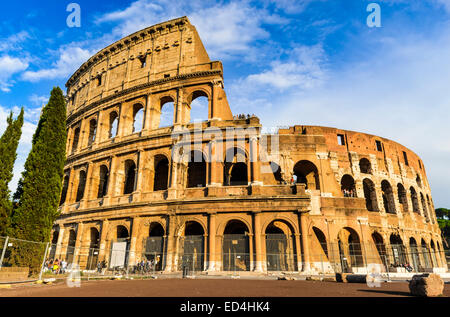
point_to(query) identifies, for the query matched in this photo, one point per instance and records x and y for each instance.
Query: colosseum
(143, 180)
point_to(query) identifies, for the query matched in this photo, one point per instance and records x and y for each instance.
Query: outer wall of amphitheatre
(325, 198)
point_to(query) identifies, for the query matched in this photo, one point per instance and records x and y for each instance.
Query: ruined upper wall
(162, 51)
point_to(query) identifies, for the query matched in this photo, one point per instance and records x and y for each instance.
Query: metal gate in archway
(154, 251)
(192, 253)
(236, 254)
(279, 252)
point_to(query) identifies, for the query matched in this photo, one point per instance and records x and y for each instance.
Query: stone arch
(155, 245)
(161, 168)
(388, 197)
(350, 251)
(379, 245)
(65, 188)
(103, 181)
(122, 232)
(156, 229)
(402, 199)
(236, 167)
(92, 131)
(167, 111)
(81, 185)
(138, 117)
(76, 139)
(365, 166)
(370, 195)
(130, 177)
(199, 101)
(418, 181)
(307, 173)
(426, 254)
(71, 246)
(113, 124)
(94, 245)
(414, 200)
(196, 172)
(280, 246)
(192, 245)
(431, 212)
(236, 246)
(424, 208)
(348, 188)
(414, 251)
(434, 256)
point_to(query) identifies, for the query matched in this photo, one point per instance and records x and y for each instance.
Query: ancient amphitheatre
(220, 195)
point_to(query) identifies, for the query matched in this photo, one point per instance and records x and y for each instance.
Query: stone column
(258, 248)
(212, 242)
(305, 242)
(171, 247)
(298, 251)
(59, 243)
(104, 241)
(78, 242)
(254, 161)
(135, 235)
(215, 165)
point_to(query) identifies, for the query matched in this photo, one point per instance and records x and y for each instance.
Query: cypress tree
(39, 189)
(9, 142)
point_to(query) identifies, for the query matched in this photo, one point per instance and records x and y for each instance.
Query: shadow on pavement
(398, 293)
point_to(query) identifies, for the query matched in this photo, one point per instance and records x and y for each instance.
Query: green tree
(39, 189)
(9, 142)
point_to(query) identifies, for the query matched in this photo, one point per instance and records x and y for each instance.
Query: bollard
(4, 251)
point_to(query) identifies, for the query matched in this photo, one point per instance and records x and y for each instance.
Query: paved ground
(209, 288)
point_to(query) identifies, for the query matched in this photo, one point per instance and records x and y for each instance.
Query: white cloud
(304, 69)
(226, 29)
(8, 67)
(13, 42)
(69, 60)
(38, 100)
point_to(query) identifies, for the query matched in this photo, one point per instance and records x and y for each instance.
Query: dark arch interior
(370, 195)
(122, 232)
(388, 197)
(196, 170)
(113, 124)
(156, 230)
(348, 186)
(236, 227)
(272, 229)
(76, 137)
(130, 176)
(95, 238)
(81, 185)
(161, 173)
(364, 166)
(306, 173)
(193, 228)
(92, 131)
(103, 182)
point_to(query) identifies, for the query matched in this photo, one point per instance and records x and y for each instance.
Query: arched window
(92, 131)
(365, 166)
(370, 195)
(418, 181)
(167, 117)
(348, 186)
(398, 250)
(196, 173)
(349, 249)
(113, 124)
(64, 190)
(76, 138)
(402, 197)
(379, 245)
(193, 246)
(235, 167)
(122, 233)
(414, 200)
(305, 172)
(154, 245)
(138, 117)
(414, 253)
(103, 183)
(130, 176)
(236, 247)
(81, 185)
(426, 254)
(94, 245)
(161, 173)
(71, 246)
(280, 247)
(431, 212)
(388, 197)
(199, 106)
(424, 207)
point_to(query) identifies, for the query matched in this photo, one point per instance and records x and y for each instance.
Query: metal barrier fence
(233, 259)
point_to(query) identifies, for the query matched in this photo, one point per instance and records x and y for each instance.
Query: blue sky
(290, 62)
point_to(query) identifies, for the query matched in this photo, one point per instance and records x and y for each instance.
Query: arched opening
(167, 117)
(402, 197)
(119, 249)
(193, 245)
(199, 107)
(280, 250)
(81, 185)
(370, 195)
(130, 177)
(235, 167)
(92, 131)
(236, 247)
(348, 186)
(94, 245)
(113, 124)
(103, 182)
(433, 254)
(122, 233)
(161, 173)
(55, 236)
(388, 197)
(379, 245)
(424, 208)
(398, 251)
(414, 254)
(349, 249)
(276, 170)
(305, 172)
(414, 200)
(431, 212)
(76, 138)
(64, 190)
(138, 117)
(71, 246)
(154, 246)
(365, 166)
(426, 255)
(418, 181)
(196, 173)
(322, 240)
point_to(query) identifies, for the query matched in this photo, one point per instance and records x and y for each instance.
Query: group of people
(56, 266)
(146, 265)
(101, 267)
(243, 116)
(349, 192)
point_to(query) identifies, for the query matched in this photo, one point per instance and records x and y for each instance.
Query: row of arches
(198, 111)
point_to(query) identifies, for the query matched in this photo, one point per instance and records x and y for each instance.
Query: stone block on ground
(426, 285)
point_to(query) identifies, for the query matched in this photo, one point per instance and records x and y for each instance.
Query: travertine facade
(321, 197)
